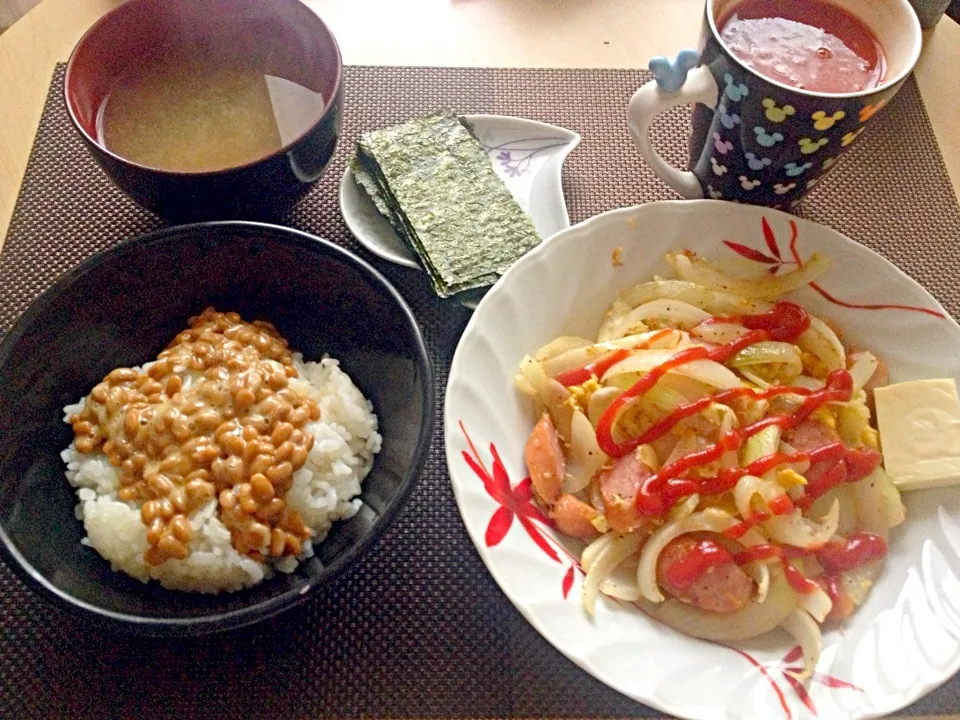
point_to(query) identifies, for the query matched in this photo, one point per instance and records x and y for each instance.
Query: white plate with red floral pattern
(905, 639)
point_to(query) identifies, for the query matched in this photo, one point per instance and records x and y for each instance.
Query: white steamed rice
(324, 490)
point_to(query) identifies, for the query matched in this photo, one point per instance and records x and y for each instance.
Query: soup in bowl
(213, 108)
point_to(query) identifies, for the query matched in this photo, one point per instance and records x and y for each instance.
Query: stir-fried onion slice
(706, 371)
(804, 629)
(820, 340)
(753, 619)
(795, 529)
(584, 457)
(584, 355)
(693, 268)
(560, 345)
(750, 489)
(676, 313)
(606, 561)
(715, 303)
(551, 395)
(863, 369)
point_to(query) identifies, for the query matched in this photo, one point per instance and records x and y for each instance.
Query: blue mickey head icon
(735, 91)
(767, 139)
(671, 74)
(794, 170)
(729, 120)
(756, 163)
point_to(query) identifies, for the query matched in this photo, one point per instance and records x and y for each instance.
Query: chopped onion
(785, 356)
(600, 401)
(607, 560)
(879, 507)
(694, 268)
(561, 345)
(585, 458)
(808, 383)
(621, 587)
(648, 456)
(755, 379)
(795, 529)
(817, 603)
(554, 396)
(754, 619)
(760, 445)
(820, 340)
(806, 632)
(673, 313)
(581, 356)
(684, 508)
(719, 333)
(863, 368)
(848, 521)
(760, 573)
(699, 296)
(856, 583)
(706, 371)
(748, 487)
(592, 551)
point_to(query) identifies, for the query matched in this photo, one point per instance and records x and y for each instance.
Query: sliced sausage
(574, 517)
(545, 461)
(618, 489)
(723, 587)
(810, 435)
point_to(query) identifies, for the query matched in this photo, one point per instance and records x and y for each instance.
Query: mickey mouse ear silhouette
(670, 74)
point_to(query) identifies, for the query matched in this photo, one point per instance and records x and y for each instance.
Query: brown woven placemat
(417, 627)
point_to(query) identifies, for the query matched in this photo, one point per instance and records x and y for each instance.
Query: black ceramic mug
(757, 140)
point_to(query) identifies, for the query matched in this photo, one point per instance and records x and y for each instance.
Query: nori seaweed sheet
(436, 184)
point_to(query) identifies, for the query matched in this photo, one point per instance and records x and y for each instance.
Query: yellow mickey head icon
(777, 114)
(851, 136)
(808, 146)
(822, 121)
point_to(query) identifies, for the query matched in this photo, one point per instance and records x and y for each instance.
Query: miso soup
(197, 108)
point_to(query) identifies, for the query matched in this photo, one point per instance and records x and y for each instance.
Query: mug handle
(675, 87)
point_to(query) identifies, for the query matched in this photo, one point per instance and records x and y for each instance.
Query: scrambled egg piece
(871, 438)
(788, 478)
(825, 416)
(600, 523)
(720, 502)
(580, 394)
(812, 365)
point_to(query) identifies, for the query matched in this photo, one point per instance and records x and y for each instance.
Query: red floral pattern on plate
(776, 262)
(516, 502)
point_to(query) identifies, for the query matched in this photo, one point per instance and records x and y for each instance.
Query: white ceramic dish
(526, 154)
(902, 643)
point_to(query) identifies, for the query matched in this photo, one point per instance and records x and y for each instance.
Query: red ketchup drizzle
(839, 556)
(599, 367)
(701, 558)
(785, 322)
(798, 581)
(659, 494)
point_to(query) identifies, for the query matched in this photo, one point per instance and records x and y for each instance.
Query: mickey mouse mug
(755, 139)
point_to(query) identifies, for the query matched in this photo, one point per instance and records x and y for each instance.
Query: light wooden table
(491, 33)
(510, 33)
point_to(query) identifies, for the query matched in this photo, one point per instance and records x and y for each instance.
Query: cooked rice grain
(324, 490)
